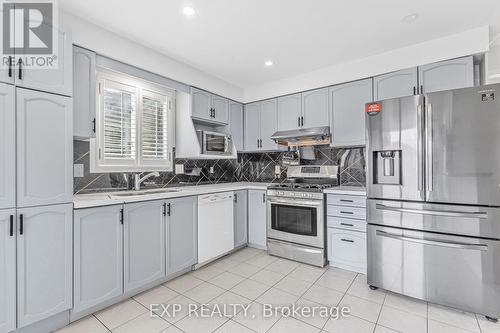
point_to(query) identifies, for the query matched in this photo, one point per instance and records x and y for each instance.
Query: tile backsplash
(252, 167)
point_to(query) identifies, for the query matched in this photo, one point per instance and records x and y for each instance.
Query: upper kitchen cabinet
(7, 270)
(252, 126)
(7, 146)
(396, 84)
(348, 112)
(446, 75)
(236, 124)
(56, 80)
(289, 112)
(44, 262)
(315, 111)
(181, 234)
(84, 92)
(209, 108)
(268, 125)
(44, 148)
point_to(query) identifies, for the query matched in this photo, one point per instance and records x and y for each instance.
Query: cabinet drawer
(351, 224)
(347, 212)
(347, 249)
(347, 200)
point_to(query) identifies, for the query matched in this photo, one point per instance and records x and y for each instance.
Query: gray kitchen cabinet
(446, 75)
(315, 108)
(257, 228)
(56, 79)
(252, 126)
(289, 112)
(84, 92)
(44, 148)
(181, 234)
(268, 125)
(7, 146)
(143, 243)
(236, 124)
(98, 256)
(44, 262)
(396, 84)
(348, 112)
(209, 108)
(220, 106)
(240, 213)
(7, 270)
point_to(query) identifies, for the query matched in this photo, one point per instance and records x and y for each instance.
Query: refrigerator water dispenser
(387, 167)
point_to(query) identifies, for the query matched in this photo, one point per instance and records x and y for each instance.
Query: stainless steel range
(295, 214)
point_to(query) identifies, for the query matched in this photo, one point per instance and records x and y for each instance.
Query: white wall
(466, 43)
(116, 47)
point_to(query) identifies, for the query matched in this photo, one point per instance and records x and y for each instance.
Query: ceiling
(231, 39)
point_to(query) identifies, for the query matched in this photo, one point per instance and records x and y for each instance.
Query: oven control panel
(296, 194)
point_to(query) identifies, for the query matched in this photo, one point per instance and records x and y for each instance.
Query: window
(134, 125)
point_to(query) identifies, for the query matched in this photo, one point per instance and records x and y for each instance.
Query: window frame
(138, 164)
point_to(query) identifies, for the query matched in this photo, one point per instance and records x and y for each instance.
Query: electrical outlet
(179, 169)
(277, 170)
(212, 169)
(78, 171)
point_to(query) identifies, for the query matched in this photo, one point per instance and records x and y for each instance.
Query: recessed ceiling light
(410, 18)
(188, 11)
(268, 63)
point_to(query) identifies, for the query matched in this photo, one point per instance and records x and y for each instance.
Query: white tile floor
(251, 277)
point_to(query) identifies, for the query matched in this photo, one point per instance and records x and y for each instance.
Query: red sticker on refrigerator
(373, 108)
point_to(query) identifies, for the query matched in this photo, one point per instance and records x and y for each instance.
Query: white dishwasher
(215, 225)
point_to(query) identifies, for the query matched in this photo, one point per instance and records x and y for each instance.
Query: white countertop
(104, 199)
(347, 190)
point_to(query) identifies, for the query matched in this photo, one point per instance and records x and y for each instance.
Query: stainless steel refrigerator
(434, 197)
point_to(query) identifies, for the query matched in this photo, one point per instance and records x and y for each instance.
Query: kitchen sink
(143, 192)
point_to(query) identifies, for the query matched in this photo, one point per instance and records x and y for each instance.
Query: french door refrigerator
(434, 197)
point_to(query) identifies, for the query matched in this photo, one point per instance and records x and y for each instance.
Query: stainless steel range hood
(303, 137)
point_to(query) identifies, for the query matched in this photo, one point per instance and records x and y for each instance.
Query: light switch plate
(179, 169)
(212, 169)
(78, 171)
(277, 170)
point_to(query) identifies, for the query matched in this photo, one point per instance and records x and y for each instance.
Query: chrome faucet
(138, 180)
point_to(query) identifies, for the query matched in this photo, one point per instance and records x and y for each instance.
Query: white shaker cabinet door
(44, 262)
(289, 112)
(56, 79)
(446, 75)
(220, 106)
(143, 243)
(7, 146)
(396, 84)
(236, 124)
(268, 125)
(315, 109)
(7, 270)
(252, 126)
(348, 109)
(98, 256)
(201, 104)
(44, 149)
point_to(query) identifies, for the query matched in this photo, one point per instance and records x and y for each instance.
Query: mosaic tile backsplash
(250, 167)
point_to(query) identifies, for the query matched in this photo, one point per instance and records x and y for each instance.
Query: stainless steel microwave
(214, 143)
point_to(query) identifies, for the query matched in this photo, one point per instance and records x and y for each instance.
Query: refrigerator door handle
(451, 213)
(456, 245)
(428, 120)
(420, 172)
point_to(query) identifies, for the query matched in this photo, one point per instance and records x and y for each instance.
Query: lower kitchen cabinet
(98, 256)
(44, 262)
(143, 243)
(7, 270)
(240, 213)
(347, 249)
(181, 234)
(257, 227)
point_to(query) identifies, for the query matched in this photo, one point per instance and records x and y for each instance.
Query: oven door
(297, 221)
(216, 144)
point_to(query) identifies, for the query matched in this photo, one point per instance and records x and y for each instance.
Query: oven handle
(295, 202)
(455, 245)
(479, 215)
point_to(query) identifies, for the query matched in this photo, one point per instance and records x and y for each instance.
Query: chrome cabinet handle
(347, 240)
(452, 213)
(347, 224)
(456, 245)
(344, 212)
